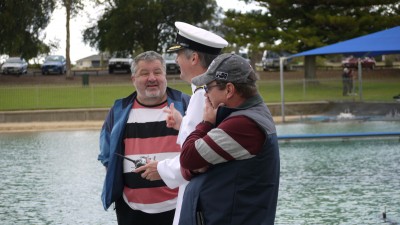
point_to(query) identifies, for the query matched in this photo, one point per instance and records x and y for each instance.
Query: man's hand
(210, 113)
(174, 117)
(149, 171)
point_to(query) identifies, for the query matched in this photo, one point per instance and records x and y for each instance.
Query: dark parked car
(54, 64)
(14, 65)
(172, 66)
(352, 62)
(119, 64)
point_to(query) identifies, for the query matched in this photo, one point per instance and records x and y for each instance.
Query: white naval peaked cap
(197, 39)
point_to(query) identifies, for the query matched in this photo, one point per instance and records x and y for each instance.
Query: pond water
(51, 178)
(55, 178)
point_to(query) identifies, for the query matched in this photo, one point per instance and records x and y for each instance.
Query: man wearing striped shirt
(135, 133)
(232, 156)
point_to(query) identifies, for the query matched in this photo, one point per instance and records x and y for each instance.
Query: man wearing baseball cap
(196, 48)
(237, 144)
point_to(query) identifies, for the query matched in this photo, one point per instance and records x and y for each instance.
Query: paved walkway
(50, 126)
(92, 119)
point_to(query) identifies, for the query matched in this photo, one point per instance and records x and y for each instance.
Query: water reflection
(51, 178)
(55, 178)
(346, 183)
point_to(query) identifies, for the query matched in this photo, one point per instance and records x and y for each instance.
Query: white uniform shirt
(170, 169)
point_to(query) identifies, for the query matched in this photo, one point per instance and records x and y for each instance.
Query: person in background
(347, 81)
(352, 78)
(236, 145)
(135, 133)
(196, 48)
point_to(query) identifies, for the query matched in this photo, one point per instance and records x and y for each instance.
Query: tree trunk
(67, 49)
(310, 69)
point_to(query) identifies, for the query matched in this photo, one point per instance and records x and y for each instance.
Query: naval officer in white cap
(196, 48)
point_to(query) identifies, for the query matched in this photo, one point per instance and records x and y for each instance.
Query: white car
(271, 60)
(119, 64)
(14, 65)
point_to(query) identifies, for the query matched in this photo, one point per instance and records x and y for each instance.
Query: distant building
(93, 61)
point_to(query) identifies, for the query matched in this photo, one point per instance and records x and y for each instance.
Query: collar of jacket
(224, 111)
(129, 99)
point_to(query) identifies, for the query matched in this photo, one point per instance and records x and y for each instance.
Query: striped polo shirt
(148, 138)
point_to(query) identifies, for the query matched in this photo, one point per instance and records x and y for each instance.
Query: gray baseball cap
(227, 67)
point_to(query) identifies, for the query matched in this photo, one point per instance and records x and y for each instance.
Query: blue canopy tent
(380, 43)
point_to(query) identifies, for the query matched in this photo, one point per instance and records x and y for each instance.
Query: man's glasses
(207, 88)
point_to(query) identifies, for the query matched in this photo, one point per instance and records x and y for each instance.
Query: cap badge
(174, 47)
(221, 75)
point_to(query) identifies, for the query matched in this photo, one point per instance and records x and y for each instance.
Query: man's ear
(230, 90)
(195, 58)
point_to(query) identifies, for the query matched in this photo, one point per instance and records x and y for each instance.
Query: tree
(72, 7)
(306, 25)
(137, 25)
(300, 25)
(21, 25)
(253, 30)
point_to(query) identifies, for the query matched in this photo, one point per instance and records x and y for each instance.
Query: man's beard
(153, 94)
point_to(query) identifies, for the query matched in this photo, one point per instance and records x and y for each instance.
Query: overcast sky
(56, 29)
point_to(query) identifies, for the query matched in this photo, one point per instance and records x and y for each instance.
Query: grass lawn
(28, 97)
